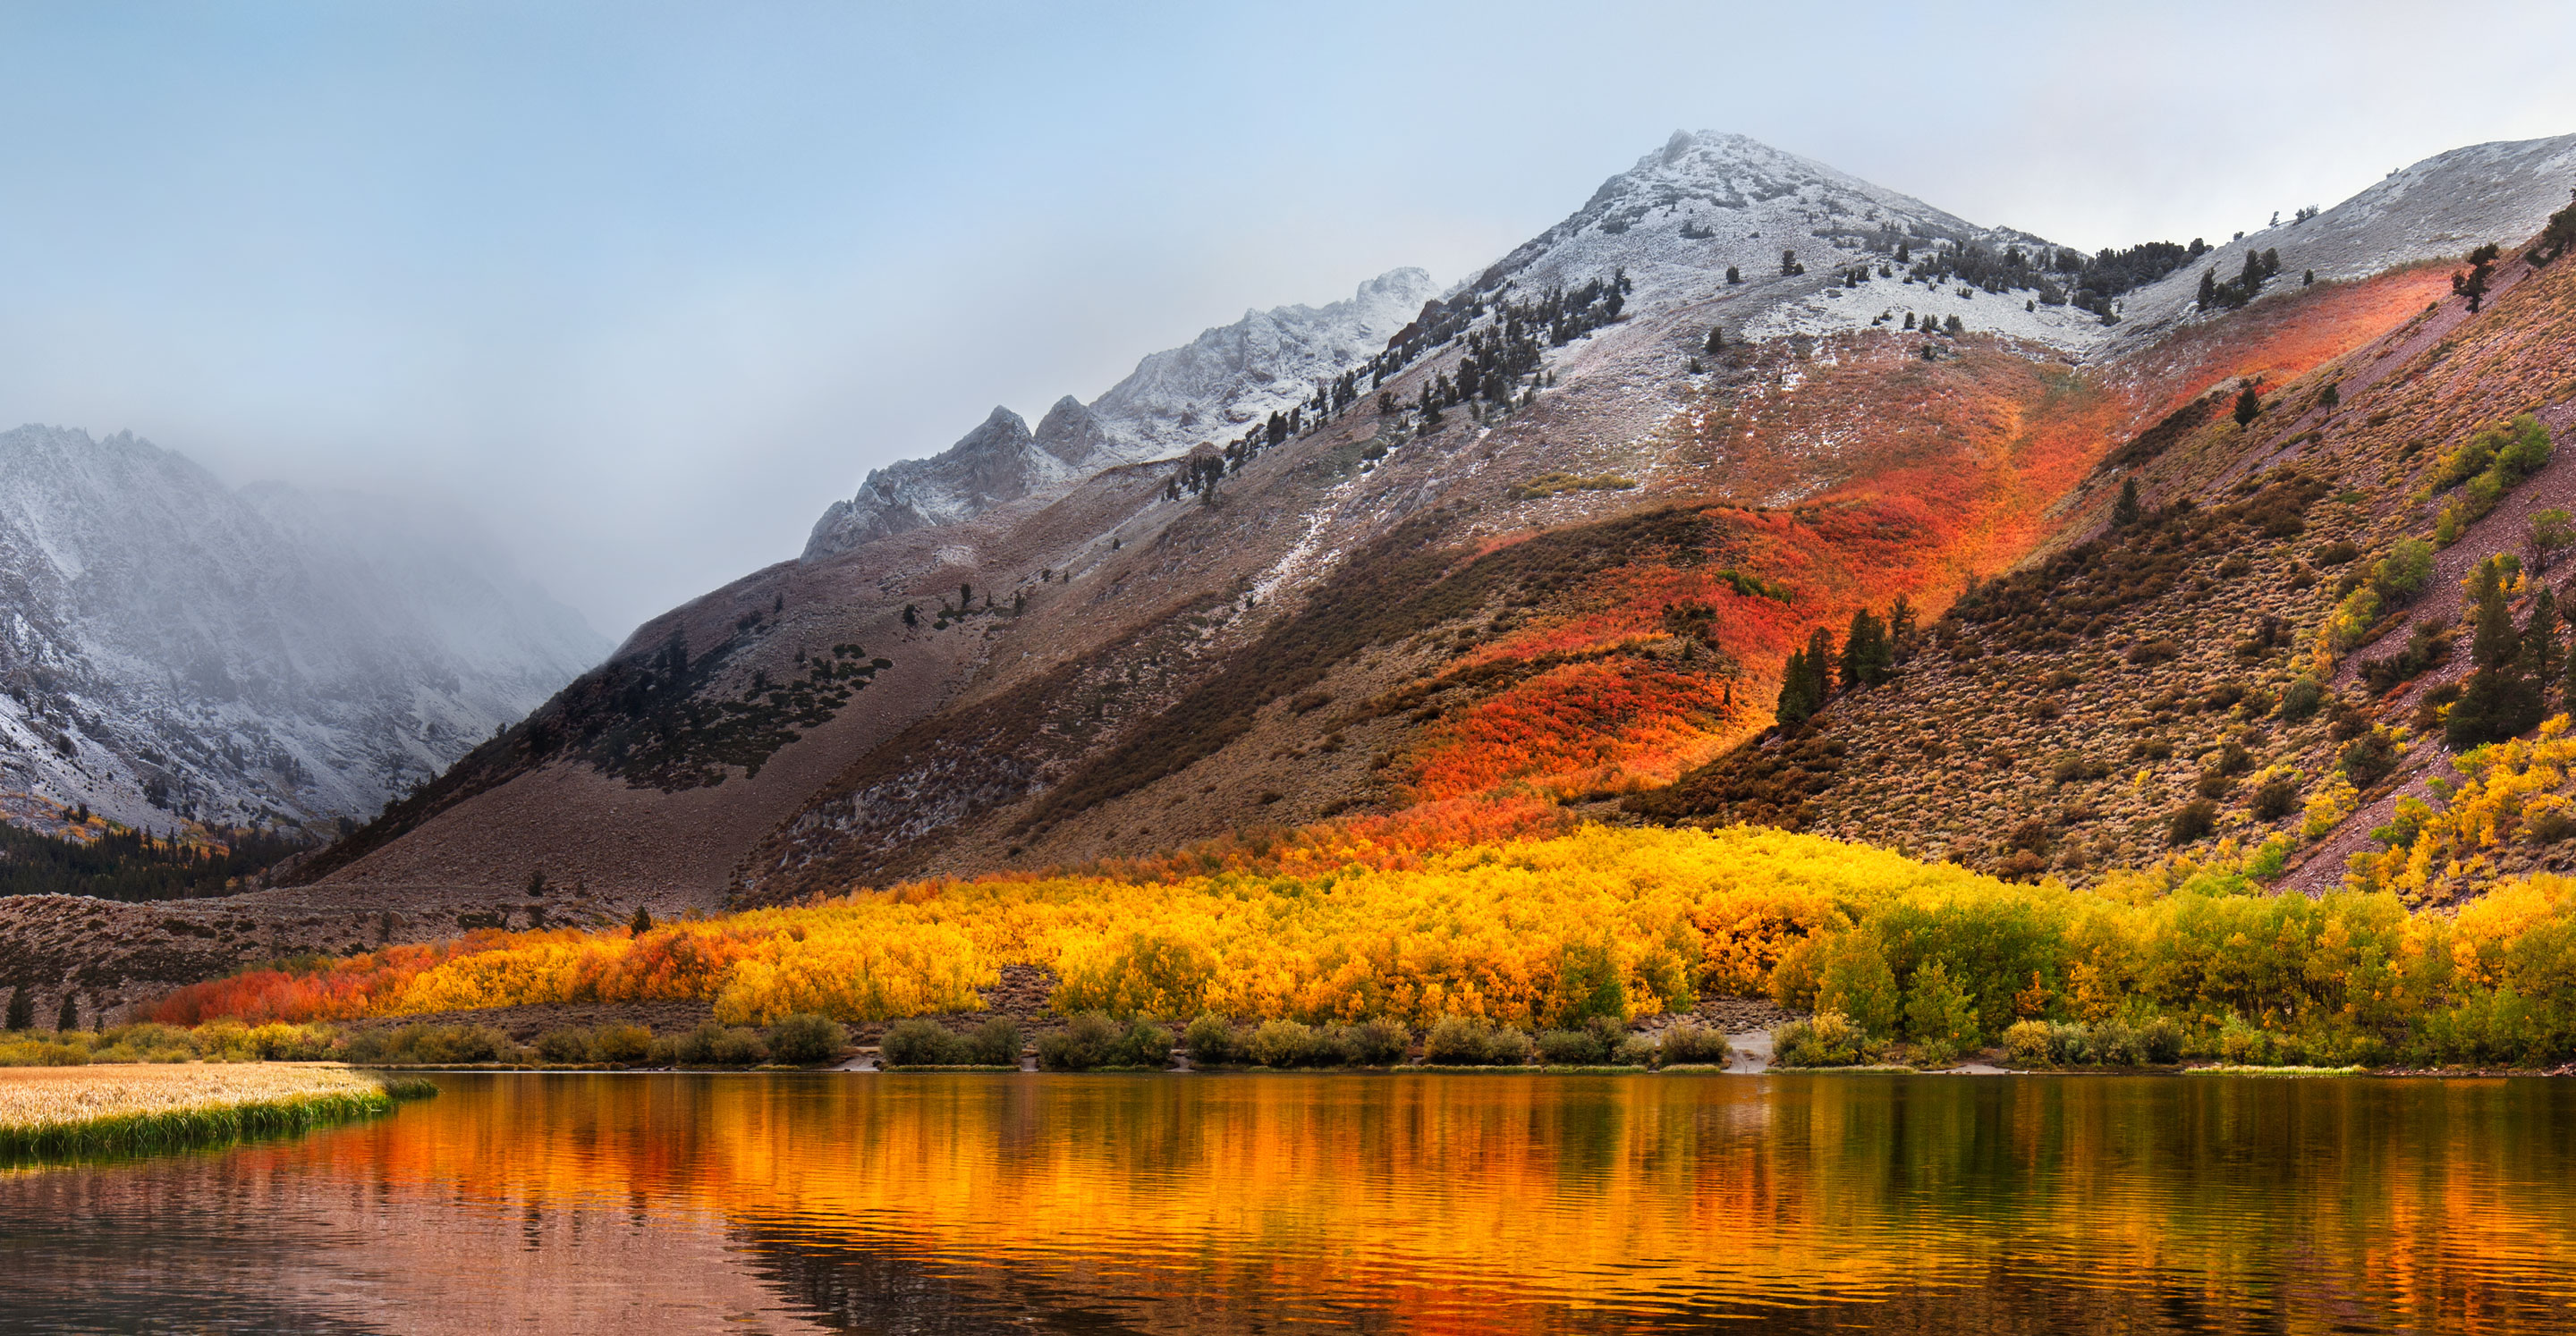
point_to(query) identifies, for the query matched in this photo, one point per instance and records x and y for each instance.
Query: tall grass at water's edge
(172, 1129)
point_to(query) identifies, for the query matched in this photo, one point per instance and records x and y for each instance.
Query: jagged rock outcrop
(998, 462)
(1266, 362)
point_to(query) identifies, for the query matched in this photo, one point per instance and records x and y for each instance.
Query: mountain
(1547, 549)
(179, 649)
(1269, 361)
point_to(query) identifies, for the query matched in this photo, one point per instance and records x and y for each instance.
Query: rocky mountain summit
(1269, 361)
(175, 648)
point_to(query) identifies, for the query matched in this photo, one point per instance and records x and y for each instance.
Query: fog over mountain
(177, 648)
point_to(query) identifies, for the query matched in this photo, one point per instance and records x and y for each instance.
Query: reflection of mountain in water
(1285, 1203)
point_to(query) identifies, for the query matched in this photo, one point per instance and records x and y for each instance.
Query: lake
(1291, 1203)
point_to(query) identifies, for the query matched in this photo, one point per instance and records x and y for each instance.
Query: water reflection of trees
(1452, 1203)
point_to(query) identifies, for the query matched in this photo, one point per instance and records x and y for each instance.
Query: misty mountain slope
(177, 648)
(1269, 361)
(1578, 594)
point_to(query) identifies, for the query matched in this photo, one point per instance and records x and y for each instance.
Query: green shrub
(713, 1045)
(920, 1043)
(995, 1043)
(564, 1046)
(2401, 575)
(1567, 1048)
(1281, 1043)
(2277, 798)
(1380, 1043)
(621, 1043)
(1211, 1042)
(434, 1045)
(2192, 821)
(1635, 1051)
(1693, 1044)
(2026, 1042)
(2116, 1044)
(1466, 1041)
(2160, 1040)
(1087, 1041)
(1145, 1044)
(2304, 696)
(806, 1038)
(1829, 1040)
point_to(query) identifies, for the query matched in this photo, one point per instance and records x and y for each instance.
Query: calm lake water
(1189, 1204)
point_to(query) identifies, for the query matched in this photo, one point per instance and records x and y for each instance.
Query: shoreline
(51, 1113)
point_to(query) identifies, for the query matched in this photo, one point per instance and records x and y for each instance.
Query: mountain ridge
(183, 650)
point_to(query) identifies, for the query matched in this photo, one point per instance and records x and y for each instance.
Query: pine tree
(2500, 699)
(911, 614)
(1900, 629)
(1796, 705)
(1733, 275)
(1867, 658)
(22, 1009)
(2567, 669)
(537, 882)
(1820, 665)
(2127, 510)
(2541, 658)
(642, 923)
(67, 1016)
(1716, 339)
(2248, 404)
(2208, 287)
(2473, 284)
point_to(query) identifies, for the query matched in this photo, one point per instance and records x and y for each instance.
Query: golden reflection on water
(1453, 1203)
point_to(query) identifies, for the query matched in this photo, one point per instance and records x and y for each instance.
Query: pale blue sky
(648, 285)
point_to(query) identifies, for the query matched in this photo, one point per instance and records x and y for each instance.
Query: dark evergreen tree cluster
(2243, 288)
(2114, 272)
(1868, 655)
(132, 865)
(2058, 277)
(2511, 669)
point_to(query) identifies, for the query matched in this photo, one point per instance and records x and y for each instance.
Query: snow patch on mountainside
(1206, 390)
(2442, 207)
(1706, 201)
(170, 646)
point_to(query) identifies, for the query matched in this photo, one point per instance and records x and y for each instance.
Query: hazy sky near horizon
(645, 286)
